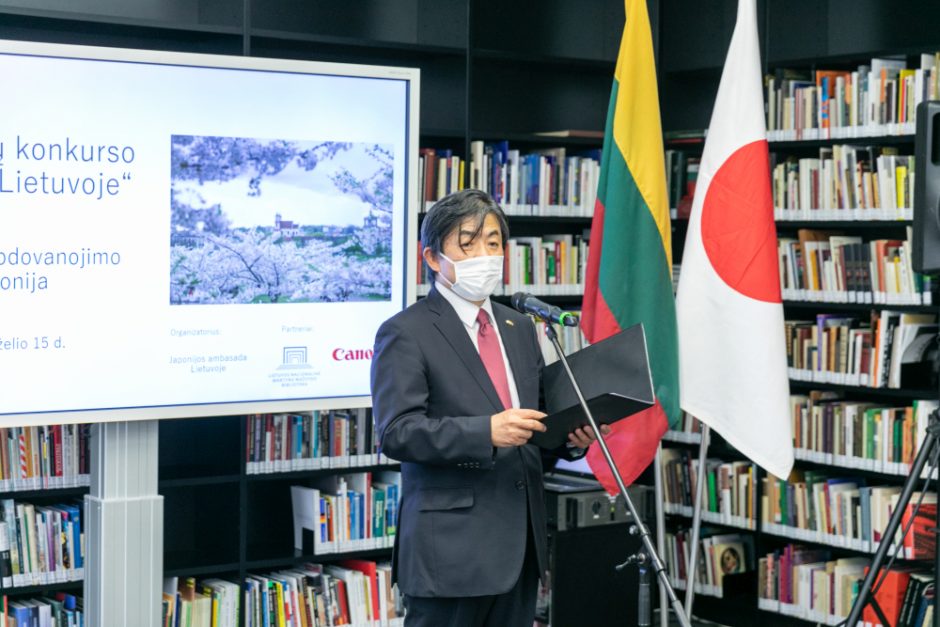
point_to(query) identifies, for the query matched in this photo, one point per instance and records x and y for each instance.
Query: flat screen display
(190, 235)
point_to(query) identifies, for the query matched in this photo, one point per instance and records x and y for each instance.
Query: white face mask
(477, 277)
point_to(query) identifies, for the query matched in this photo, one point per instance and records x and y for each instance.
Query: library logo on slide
(294, 357)
(294, 370)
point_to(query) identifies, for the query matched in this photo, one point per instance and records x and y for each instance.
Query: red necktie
(492, 356)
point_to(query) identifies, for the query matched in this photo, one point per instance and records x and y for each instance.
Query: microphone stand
(646, 556)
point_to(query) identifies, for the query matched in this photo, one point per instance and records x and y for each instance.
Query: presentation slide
(177, 236)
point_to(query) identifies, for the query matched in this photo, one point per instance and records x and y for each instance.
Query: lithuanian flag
(629, 274)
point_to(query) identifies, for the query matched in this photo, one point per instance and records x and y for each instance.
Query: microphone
(527, 303)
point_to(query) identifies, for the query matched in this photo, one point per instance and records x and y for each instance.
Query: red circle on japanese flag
(738, 231)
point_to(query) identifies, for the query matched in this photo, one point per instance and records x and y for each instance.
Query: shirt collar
(466, 311)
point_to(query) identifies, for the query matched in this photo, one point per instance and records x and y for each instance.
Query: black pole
(641, 527)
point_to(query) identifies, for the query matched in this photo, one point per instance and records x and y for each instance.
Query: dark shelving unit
(805, 35)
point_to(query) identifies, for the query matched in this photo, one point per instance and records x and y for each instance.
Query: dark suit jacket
(462, 518)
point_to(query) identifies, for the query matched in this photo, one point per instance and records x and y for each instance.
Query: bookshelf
(807, 36)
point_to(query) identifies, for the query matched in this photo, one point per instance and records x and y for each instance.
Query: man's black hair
(447, 214)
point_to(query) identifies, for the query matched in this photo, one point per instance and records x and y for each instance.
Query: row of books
(808, 583)
(40, 545)
(891, 349)
(59, 609)
(311, 441)
(547, 177)
(879, 98)
(545, 260)
(358, 593)
(543, 182)
(863, 180)
(342, 513)
(440, 172)
(208, 603)
(842, 511)
(571, 340)
(867, 436)
(43, 457)
(718, 555)
(826, 266)
(730, 496)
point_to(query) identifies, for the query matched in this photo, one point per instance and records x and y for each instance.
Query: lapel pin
(510, 323)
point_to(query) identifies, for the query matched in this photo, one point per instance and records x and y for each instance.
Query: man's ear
(431, 259)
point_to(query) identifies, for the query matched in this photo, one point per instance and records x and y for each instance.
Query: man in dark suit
(456, 387)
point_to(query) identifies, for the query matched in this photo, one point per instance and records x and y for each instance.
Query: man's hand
(514, 427)
(582, 437)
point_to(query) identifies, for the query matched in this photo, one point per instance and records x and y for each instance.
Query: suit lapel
(455, 333)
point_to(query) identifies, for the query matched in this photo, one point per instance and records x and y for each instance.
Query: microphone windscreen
(518, 301)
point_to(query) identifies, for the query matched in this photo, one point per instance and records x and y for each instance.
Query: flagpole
(660, 529)
(692, 567)
(647, 556)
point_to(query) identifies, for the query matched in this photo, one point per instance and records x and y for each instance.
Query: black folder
(615, 378)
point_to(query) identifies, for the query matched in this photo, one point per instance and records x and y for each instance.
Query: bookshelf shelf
(520, 220)
(690, 144)
(902, 393)
(798, 614)
(357, 42)
(857, 467)
(204, 570)
(828, 540)
(809, 305)
(711, 518)
(535, 139)
(870, 140)
(295, 475)
(190, 561)
(704, 590)
(53, 493)
(850, 58)
(297, 557)
(874, 225)
(580, 63)
(175, 25)
(441, 133)
(554, 213)
(681, 437)
(44, 589)
(198, 481)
